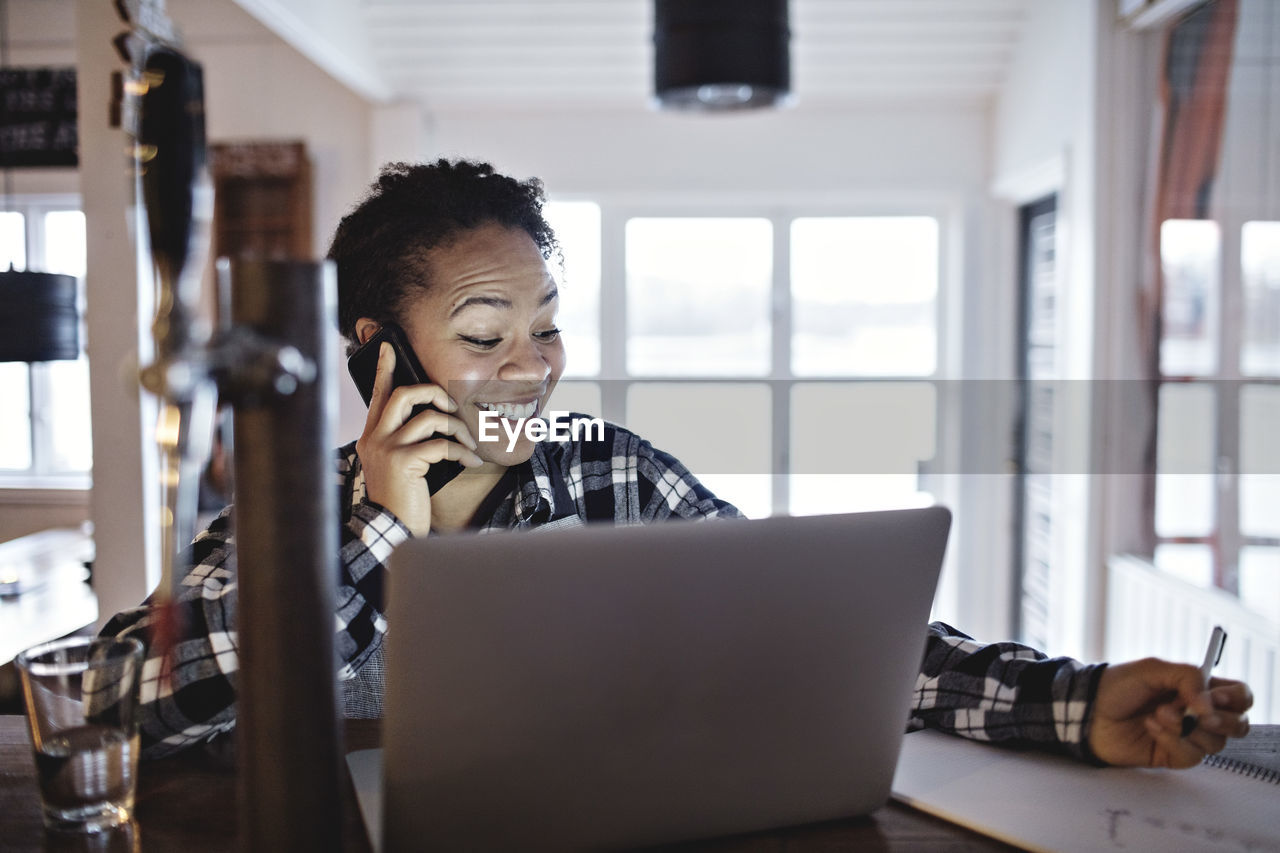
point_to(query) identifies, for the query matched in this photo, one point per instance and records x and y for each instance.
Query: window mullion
(41, 448)
(37, 374)
(41, 392)
(1226, 573)
(780, 482)
(613, 314)
(781, 293)
(1227, 485)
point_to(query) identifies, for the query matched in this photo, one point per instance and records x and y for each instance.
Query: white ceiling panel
(501, 54)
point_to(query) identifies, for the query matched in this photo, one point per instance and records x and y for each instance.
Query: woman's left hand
(1138, 713)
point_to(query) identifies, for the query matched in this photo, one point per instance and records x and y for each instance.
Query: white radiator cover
(1150, 613)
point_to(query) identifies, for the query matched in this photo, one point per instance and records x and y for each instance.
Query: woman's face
(486, 332)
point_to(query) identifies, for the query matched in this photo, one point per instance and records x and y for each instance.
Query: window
(1217, 460)
(864, 296)
(787, 336)
(698, 294)
(45, 433)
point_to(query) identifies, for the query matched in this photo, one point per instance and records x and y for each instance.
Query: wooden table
(187, 804)
(43, 594)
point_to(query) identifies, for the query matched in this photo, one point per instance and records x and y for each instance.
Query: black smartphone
(363, 367)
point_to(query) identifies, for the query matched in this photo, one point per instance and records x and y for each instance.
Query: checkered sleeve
(195, 701)
(664, 487)
(1004, 692)
(368, 538)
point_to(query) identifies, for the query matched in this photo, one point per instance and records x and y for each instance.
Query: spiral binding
(1244, 768)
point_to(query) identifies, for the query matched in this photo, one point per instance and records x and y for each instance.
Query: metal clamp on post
(250, 370)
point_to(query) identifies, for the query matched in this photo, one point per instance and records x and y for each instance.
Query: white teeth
(511, 411)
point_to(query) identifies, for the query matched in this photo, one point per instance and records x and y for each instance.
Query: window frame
(1224, 538)
(41, 474)
(615, 380)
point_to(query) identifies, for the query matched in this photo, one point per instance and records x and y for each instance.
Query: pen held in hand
(1211, 657)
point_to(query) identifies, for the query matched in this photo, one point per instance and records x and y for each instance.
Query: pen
(1211, 657)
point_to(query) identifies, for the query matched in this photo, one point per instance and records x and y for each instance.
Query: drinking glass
(81, 697)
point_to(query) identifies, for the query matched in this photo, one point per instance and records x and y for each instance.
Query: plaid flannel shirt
(999, 692)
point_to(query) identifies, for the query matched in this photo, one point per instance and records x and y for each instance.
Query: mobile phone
(363, 367)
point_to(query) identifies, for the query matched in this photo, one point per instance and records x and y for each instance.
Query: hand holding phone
(363, 367)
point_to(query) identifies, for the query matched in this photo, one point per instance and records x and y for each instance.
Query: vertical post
(287, 547)
(125, 501)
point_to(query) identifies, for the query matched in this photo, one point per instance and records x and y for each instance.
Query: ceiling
(594, 54)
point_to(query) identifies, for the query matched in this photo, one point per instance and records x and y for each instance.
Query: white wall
(1045, 106)
(780, 153)
(1045, 121)
(313, 27)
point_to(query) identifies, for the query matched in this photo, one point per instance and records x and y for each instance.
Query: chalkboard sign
(38, 117)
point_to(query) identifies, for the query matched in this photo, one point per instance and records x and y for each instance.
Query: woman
(456, 255)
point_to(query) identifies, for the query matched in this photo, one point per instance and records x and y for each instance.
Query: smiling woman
(461, 259)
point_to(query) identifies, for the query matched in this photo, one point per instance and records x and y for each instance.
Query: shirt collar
(541, 494)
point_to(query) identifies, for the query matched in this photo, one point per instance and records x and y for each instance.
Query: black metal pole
(287, 547)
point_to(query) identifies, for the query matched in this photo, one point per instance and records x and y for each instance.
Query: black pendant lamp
(38, 318)
(717, 55)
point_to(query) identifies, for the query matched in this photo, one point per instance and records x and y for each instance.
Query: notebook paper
(1046, 802)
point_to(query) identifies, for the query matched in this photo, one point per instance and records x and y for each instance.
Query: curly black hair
(381, 247)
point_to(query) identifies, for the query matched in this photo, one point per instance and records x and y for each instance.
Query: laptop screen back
(607, 687)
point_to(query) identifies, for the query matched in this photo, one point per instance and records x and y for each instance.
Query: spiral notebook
(1046, 802)
(1256, 756)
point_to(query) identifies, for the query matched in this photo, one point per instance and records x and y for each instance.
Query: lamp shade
(716, 55)
(38, 319)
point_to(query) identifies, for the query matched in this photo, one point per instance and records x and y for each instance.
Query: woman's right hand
(396, 450)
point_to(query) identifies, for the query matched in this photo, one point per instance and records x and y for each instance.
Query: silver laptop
(607, 687)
